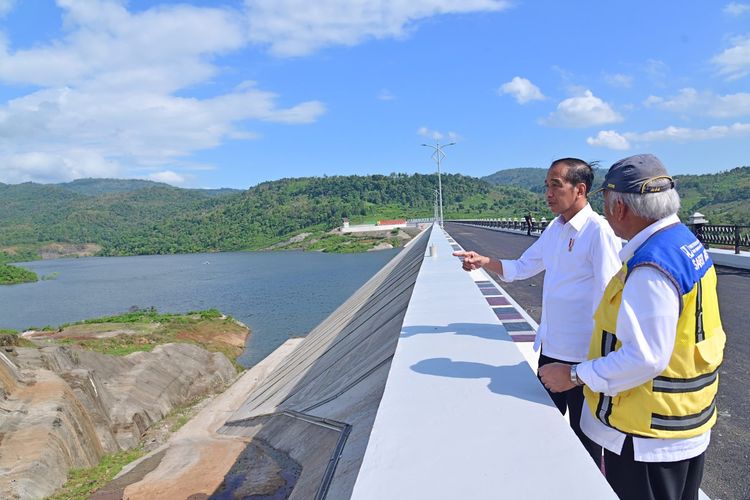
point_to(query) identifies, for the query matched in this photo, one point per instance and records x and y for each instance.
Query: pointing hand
(472, 260)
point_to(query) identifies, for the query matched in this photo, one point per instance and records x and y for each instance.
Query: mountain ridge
(723, 197)
(136, 217)
(155, 218)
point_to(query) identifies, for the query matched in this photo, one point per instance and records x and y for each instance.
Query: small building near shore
(394, 222)
(381, 225)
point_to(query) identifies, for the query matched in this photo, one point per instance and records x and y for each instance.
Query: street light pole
(435, 206)
(438, 155)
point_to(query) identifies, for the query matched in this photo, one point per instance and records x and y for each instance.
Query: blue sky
(230, 94)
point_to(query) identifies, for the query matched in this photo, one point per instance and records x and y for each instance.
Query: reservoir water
(277, 294)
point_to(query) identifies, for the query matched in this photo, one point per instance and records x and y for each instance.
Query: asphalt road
(727, 472)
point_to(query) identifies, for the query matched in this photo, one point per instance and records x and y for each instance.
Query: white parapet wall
(729, 258)
(463, 414)
(369, 228)
(721, 257)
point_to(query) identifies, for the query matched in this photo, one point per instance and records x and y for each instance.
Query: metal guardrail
(537, 226)
(709, 234)
(726, 235)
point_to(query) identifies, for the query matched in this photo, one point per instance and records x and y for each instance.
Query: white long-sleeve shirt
(580, 257)
(647, 327)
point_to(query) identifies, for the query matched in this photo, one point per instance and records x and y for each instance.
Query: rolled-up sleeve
(646, 327)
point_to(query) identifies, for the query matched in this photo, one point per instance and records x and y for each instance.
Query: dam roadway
(728, 457)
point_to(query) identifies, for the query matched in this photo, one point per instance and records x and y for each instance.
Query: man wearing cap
(652, 374)
(578, 251)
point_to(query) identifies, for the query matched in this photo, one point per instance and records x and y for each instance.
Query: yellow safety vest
(681, 401)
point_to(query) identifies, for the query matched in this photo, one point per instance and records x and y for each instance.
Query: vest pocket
(711, 350)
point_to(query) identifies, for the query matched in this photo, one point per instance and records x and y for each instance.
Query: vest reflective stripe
(683, 422)
(700, 334)
(671, 384)
(608, 342)
(680, 401)
(604, 409)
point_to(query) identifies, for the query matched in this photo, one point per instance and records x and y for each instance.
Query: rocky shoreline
(65, 406)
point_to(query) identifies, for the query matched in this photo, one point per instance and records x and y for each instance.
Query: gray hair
(649, 206)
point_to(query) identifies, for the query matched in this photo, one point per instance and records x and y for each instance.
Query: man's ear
(581, 190)
(620, 210)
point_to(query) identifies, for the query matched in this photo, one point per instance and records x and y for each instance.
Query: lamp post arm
(437, 155)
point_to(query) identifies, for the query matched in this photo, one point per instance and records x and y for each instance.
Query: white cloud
(613, 140)
(736, 9)
(609, 139)
(706, 103)
(106, 46)
(114, 86)
(682, 134)
(437, 135)
(109, 93)
(385, 95)
(168, 177)
(618, 80)
(565, 75)
(299, 27)
(6, 6)
(431, 134)
(734, 62)
(522, 90)
(582, 111)
(135, 128)
(60, 166)
(653, 100)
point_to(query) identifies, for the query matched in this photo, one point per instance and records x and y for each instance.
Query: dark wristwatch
(574, 376)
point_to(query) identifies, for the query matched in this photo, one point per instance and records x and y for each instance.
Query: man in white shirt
(657, 344)
(578, 251)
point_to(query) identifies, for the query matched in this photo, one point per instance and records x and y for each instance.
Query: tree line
(141, 217)
(159, 219)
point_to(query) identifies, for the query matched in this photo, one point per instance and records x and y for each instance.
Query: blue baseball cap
(639, 174)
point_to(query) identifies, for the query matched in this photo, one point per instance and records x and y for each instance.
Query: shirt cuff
(510, 270)
(585, 372)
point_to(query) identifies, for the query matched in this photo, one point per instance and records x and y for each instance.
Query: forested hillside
(154, 218)
(130, 217)
(96, 187)
(530, 178)
(724, 197)
(35, 213)
(272, 211)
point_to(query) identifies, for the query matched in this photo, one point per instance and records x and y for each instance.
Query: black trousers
(653, 480)
(572, 401)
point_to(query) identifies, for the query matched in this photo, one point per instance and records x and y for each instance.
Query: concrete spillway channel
(361, 409)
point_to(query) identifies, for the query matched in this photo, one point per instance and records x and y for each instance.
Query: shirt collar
(579, 219)
(639, 239)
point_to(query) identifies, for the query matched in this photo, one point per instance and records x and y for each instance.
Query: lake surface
(277, 294)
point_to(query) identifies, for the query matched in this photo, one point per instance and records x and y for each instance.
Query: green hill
(724, 197)
(131, 217)
(35, 213)
(272, 211)
(530, 178)
(97, 187)
(140, 217)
